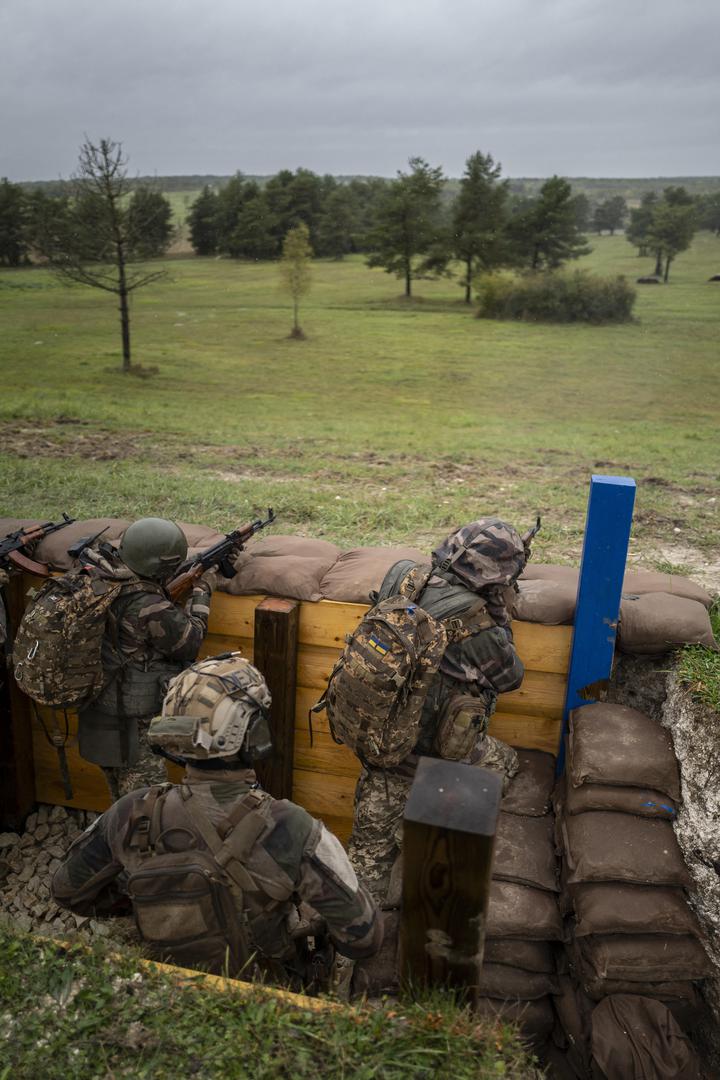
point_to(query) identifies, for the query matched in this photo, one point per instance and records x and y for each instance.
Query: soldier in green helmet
(148, 639)
(220, 875)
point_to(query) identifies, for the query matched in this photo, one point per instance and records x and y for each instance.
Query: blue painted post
(607, 534)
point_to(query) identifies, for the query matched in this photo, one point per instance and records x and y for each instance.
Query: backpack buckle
(454, 623)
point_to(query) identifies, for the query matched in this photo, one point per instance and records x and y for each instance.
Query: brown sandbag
(657, 622)
(525, 851)
(549, 602)
(53, 549)
(11, 525)
(530, 790)
(640, 582)
(516, 911)
(632, 909)
(641, 958)
(573, 1009)
(603, 846)
(637, 1038)
(535, 1018)
(200, 537)
(528, 955)
(290, 566)
(614, 744)
(360, 571)
(624, 800)
(509, 983)
(567, 575)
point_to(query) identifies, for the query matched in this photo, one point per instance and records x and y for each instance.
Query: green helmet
(217, 708)
(153, 548)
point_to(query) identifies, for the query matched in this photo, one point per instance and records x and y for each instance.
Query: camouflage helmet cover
(484, 553)
(215, 709)
(153, 548)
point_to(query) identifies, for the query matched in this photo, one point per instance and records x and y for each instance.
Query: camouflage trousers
(380, 796)
(147, 770)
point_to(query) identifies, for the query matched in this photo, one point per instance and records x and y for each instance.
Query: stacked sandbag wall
(524, 928)
(629, 927)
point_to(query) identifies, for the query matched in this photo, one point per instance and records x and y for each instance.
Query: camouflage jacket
(484, 664)
(148, 639)
(295, 860)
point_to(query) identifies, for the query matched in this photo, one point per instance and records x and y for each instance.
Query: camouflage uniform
(148, 640)
(294, 860)
(481, 666)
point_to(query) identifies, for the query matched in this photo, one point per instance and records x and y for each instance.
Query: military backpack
(187, 900)
(377, 689)
(57, 648)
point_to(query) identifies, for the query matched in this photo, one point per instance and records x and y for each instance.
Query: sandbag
(535, 1018)
(567, 575)
(640, 582)
(573, 1009)
(636, 1038)
(11, 525)
(289, 566)
(657, 622)
(614, 744)
(604, 846)
(54, 548)
(641, 958)
(358, 572)
(625, 800)
(516, 911)
(528, 955)
(542, 601)
(530, 789)
(525, 852)
(632, 909)
(200, 537)
(509, 983)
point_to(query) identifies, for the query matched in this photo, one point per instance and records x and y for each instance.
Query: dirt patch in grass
(66, 438)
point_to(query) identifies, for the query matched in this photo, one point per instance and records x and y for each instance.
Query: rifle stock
(180, 587)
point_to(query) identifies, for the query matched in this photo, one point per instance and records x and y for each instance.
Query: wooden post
(448, 842)
(602, 569)
(17, 772)
(275, 655)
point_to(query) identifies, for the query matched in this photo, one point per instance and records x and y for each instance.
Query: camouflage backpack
(377, 689)
(57, 649)
(188, 900)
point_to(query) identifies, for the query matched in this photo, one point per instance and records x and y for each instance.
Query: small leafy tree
(408, 225)
(479, 239)
(296, 271)
(671, 231)
(638, 230)
(89, 238)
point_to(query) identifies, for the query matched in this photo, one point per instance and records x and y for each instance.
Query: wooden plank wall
(325, 773)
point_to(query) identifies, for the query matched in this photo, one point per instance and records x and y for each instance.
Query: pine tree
(203, 222)
(479, 239)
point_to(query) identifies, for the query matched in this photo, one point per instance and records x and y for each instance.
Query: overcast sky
(577, 87)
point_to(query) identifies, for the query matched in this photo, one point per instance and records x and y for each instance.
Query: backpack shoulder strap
(412, 585)
(144, 825)
(469, 622)
(233, 838)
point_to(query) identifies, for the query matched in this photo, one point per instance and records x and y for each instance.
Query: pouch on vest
(463, 722)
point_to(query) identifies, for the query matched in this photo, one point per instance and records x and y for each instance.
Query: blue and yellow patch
(377, 645)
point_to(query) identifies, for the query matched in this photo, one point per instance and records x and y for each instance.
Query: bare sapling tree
(97, 237)
(296, 271)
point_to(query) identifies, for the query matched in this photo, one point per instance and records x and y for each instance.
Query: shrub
(556, 297)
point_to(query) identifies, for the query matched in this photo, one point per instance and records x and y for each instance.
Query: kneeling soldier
(214, 867)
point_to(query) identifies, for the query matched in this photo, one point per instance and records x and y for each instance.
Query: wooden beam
(17, 776)
(275, 655)
(448, 840)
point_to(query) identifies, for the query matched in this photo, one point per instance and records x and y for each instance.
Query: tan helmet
(217, 708)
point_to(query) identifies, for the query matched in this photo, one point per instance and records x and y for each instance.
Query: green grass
(393, 422)
(699, 668)
(79, 1014)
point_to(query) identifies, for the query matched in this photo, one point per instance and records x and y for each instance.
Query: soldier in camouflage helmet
(214, 721)
(480, 560)
(148, 639)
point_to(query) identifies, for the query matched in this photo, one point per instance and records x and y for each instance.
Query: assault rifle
(217, 555)
(13, 554)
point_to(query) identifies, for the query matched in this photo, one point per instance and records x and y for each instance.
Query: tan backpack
(188, 904)
(377, 689)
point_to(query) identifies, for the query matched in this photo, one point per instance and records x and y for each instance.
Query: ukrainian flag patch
(377, 645)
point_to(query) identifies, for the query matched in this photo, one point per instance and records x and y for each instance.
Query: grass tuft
(699, 668)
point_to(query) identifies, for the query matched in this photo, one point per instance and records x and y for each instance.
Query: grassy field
(393, 421)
